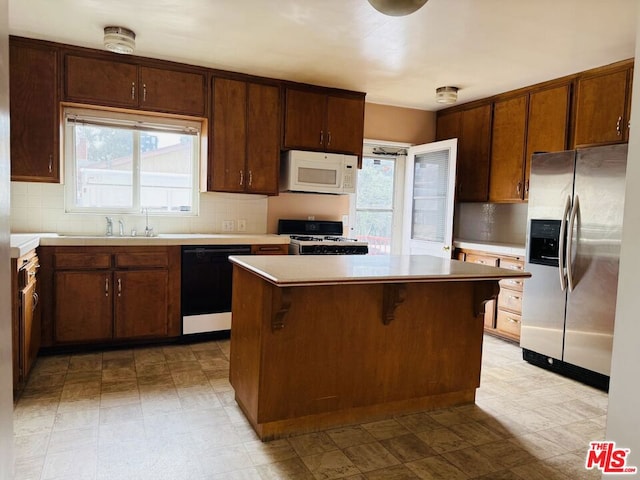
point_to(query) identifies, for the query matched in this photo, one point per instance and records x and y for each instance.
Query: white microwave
(318, 172)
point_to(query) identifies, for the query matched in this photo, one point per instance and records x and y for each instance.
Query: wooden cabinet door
(448, 126)
(304, 119)
(507, 150)
(172, 91)
(33, 78)
(345, 125)
(474, 154)
(601, 114)
(141, 303)
(101, 82)
(30, 327)
(263, 138)
(547, 125)
(228, 155)
(83, 306)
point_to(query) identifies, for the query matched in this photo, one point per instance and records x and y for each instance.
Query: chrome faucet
(121, 227)
(109, 232)
(148, 231)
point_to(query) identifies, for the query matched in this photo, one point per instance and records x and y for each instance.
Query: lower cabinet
(107, 295)
(25, 317)
(270, 249)
(503, 317)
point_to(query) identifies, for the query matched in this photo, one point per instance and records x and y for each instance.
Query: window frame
(136, 122)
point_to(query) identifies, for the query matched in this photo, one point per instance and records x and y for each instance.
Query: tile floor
(169, 413)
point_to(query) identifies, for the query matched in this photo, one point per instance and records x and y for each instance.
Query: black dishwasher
(206, 286)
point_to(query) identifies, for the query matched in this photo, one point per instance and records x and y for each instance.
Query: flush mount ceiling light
(446, 94)
(397, 8)
(119, 39)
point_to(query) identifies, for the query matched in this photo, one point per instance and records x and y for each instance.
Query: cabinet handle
(526, 187)
(250, 177)
(328, 138)
(480, 261)
(514, 297)
(119, 287)
(50, 163)
(321, 137)
(519, 188)
(241, 177)
(106, 286)
(133, 90)
(514, 282)
(512, 320)
(618, 123)
(144, 92)
(36, 298)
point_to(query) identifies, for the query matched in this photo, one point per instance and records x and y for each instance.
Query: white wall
(6, 378)
(623, 421)
(491, 222)
(39, 207)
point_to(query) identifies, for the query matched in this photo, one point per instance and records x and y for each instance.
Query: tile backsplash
(39, 207)
(491, 222)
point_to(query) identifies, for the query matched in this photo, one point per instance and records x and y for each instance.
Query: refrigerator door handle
(572, 220)
(563, 229)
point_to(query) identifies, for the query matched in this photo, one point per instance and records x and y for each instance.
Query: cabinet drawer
(510, 300)
(28, 272)
(511, 263)
(482, 259)
(278, 249)
(509, 323)
(512, 283)
(142, 259)
(82, 261)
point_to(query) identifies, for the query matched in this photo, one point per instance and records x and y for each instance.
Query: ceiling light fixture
(446, 94)
(397, 8)
(119, 39)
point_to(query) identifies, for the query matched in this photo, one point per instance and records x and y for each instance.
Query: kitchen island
(319, 341)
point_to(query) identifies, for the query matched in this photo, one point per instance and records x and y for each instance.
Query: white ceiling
(483, 47)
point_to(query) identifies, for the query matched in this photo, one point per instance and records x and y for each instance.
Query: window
(123, 163)
(378, 200)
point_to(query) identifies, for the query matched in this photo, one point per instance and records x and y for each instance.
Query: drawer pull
(106, 286)
(513, 320)
(514, 297)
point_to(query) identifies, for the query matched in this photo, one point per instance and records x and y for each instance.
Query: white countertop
(21, 243)
(491, 247)
(305, 270)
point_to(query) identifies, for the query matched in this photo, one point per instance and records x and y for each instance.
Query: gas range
(311, 237)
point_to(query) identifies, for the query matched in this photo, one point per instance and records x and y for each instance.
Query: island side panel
(334, 352)
(251, 297)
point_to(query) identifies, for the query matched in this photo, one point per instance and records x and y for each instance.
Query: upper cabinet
(508, 149)
(121, 84)
(602, 107)
(472, 127)
(325, 122)
(245, 149)
(33, 79)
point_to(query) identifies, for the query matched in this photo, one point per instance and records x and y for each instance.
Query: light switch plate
(228, 226)
(242, 225)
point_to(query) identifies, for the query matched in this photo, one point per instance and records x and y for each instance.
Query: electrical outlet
(228, 226)
(311, 217)
(242, 225)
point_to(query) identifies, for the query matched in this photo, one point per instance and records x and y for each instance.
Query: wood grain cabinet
(603, 107)
(245, 148)
(99, 81)
(26, 316)
(325, 122)
(104, 295)
(472, 127)
(33, 82)
(503, 316)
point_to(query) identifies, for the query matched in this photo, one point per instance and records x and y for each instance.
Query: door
(345, 123)
(544, 297)
(429, 194)
(141, 303)
(592, 271)
(171, 91)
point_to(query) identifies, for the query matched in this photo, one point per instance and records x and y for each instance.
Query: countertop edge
(491, 247)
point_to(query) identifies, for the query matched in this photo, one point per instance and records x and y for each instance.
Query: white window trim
(131, 121)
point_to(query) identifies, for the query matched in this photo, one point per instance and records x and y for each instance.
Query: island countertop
(305, 270)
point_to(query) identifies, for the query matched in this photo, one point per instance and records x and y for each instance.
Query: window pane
(375, 183)
(430, 180)
(166, 171)
(375, 228)
(104, 167)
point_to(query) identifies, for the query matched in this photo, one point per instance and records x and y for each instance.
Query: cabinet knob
(618, 129)
(119, 287)
(106, 286)
(144, 92)
(250, 177)
(519, 188)
(328, 138)
(241, 178)
(133, 90)
(321, 137)
(50, 163)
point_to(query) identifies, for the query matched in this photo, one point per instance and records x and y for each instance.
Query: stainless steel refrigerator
(574, 227)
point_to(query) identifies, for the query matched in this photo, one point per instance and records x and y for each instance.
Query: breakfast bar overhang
(320, 341)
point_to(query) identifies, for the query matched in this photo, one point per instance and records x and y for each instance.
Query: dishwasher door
(206, 287)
